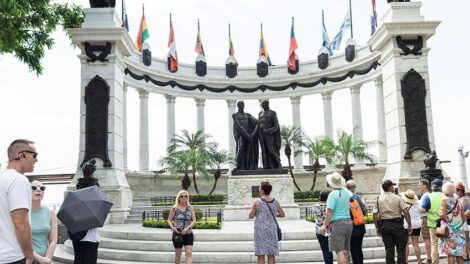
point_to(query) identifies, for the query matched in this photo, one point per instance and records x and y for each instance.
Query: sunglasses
(35, 154)
(183, 196)
(42, 188)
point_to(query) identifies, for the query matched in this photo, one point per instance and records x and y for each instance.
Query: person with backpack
(358, 212)
(411, 201)
(338, 218)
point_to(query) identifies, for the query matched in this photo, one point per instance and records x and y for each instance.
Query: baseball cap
(437, 182)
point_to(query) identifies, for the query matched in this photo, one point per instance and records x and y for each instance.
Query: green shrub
(308, 194)
(306, 200)
(207, 198)
(167, 211)
(369, 219)
(154, 223)
(192, 203)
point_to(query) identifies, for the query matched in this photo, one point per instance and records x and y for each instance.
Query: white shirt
(92, 235)
(15, 193)
(415, 217)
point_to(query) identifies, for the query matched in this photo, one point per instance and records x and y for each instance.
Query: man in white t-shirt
(15, 204)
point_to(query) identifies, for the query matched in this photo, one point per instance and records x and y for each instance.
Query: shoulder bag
(177, 237)
(279, 232)
(443, 230)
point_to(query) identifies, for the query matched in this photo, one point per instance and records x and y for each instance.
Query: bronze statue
(88, 168)
(244, 131)
(430, 160)
(102, 3)
(269, 136)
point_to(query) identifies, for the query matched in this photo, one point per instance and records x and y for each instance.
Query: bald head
(17, 146)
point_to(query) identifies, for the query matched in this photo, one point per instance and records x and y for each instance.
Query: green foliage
(189, 150)
(27, 27)
(192, 203)
(154, 223)
(306, 200)
(207, 198)
(348, 146)
(167, 211)
(307, 195)
(320, 147)
(369, 219)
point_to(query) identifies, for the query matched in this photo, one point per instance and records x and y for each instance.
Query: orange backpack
(356, 212)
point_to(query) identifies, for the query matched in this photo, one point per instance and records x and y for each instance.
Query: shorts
(188, 240)
(416, 232)
(340, 235)
(424, 228)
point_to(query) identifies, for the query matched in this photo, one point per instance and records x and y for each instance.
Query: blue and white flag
(325, 39)
(335, 44)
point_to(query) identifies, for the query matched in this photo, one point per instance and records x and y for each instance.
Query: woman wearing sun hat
(411, 201)
(338, 218)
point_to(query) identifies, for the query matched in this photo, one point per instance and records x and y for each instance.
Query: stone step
(62, 257)
(221, 256)
(215, 246)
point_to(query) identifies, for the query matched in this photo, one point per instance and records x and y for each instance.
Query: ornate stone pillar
(231, 109)
(381, 136)
(356, 111)
(144, 131)
(328, 114)
(103, 105)
(170, 118)
(298, 160)
(200, 103)
(406, 89)
(124, 132)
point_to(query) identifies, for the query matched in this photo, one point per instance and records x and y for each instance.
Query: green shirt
(41, 227)
(338, 201)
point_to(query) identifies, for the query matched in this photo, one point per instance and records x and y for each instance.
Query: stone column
(144, 131)
(381, 136)
(200, 103)
(124, 133)
(328, 114)
(403, 72)
(170, 118)
(298, 160)
(356, 111)
(102, 107)
(231, 109)
(462, 167)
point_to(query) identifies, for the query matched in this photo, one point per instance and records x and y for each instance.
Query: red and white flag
(173, 56)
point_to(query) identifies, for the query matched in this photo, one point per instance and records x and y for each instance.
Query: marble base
(241, 195)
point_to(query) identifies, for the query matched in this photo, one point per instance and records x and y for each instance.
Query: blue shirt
(338, 201)
(425, 201)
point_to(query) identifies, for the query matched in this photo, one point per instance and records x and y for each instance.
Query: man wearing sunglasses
(15, 204)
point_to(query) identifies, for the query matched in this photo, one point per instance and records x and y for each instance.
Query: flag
(143, 34)
(199, 48)
(335, 44)
(231, 49)
(263, 49)
(125, 21)
(373, 19)
(325, 39)
(293, 46)
(172, 45)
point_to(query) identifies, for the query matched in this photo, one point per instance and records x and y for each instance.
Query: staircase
(132, 243)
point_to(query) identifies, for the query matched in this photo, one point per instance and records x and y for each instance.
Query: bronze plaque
(254, 191)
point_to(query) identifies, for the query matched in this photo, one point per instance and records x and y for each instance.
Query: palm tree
(177, 162)
(192, 149)
(320, 147)
(291, 135)
(218, 158)
(349, 146)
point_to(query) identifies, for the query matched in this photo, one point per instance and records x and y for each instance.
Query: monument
(246, 139)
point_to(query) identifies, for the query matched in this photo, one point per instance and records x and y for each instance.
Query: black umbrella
(84, 209)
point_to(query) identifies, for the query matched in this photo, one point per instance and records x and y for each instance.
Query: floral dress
(454, 245)
(266, 242)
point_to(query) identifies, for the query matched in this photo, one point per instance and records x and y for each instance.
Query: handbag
(443, 230)
(177, 237)
(279, 231)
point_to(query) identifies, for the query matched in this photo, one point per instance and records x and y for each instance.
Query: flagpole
(350, 17)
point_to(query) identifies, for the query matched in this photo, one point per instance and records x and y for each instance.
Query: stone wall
(151, 184)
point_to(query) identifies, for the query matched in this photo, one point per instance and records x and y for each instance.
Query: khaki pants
(434, 246)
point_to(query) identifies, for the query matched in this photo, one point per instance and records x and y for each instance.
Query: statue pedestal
(243, 190)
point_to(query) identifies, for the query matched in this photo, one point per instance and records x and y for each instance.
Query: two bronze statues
(251, 134)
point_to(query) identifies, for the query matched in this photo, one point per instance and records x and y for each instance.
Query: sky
(45, 108)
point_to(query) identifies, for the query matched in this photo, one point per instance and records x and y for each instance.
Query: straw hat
(335, 180)
(410, 197)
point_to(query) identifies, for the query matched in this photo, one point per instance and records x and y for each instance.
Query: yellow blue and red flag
(263, 49)
(172, 53)
(143, 34)
(199, 48)
(292, 47)
(373, 19)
